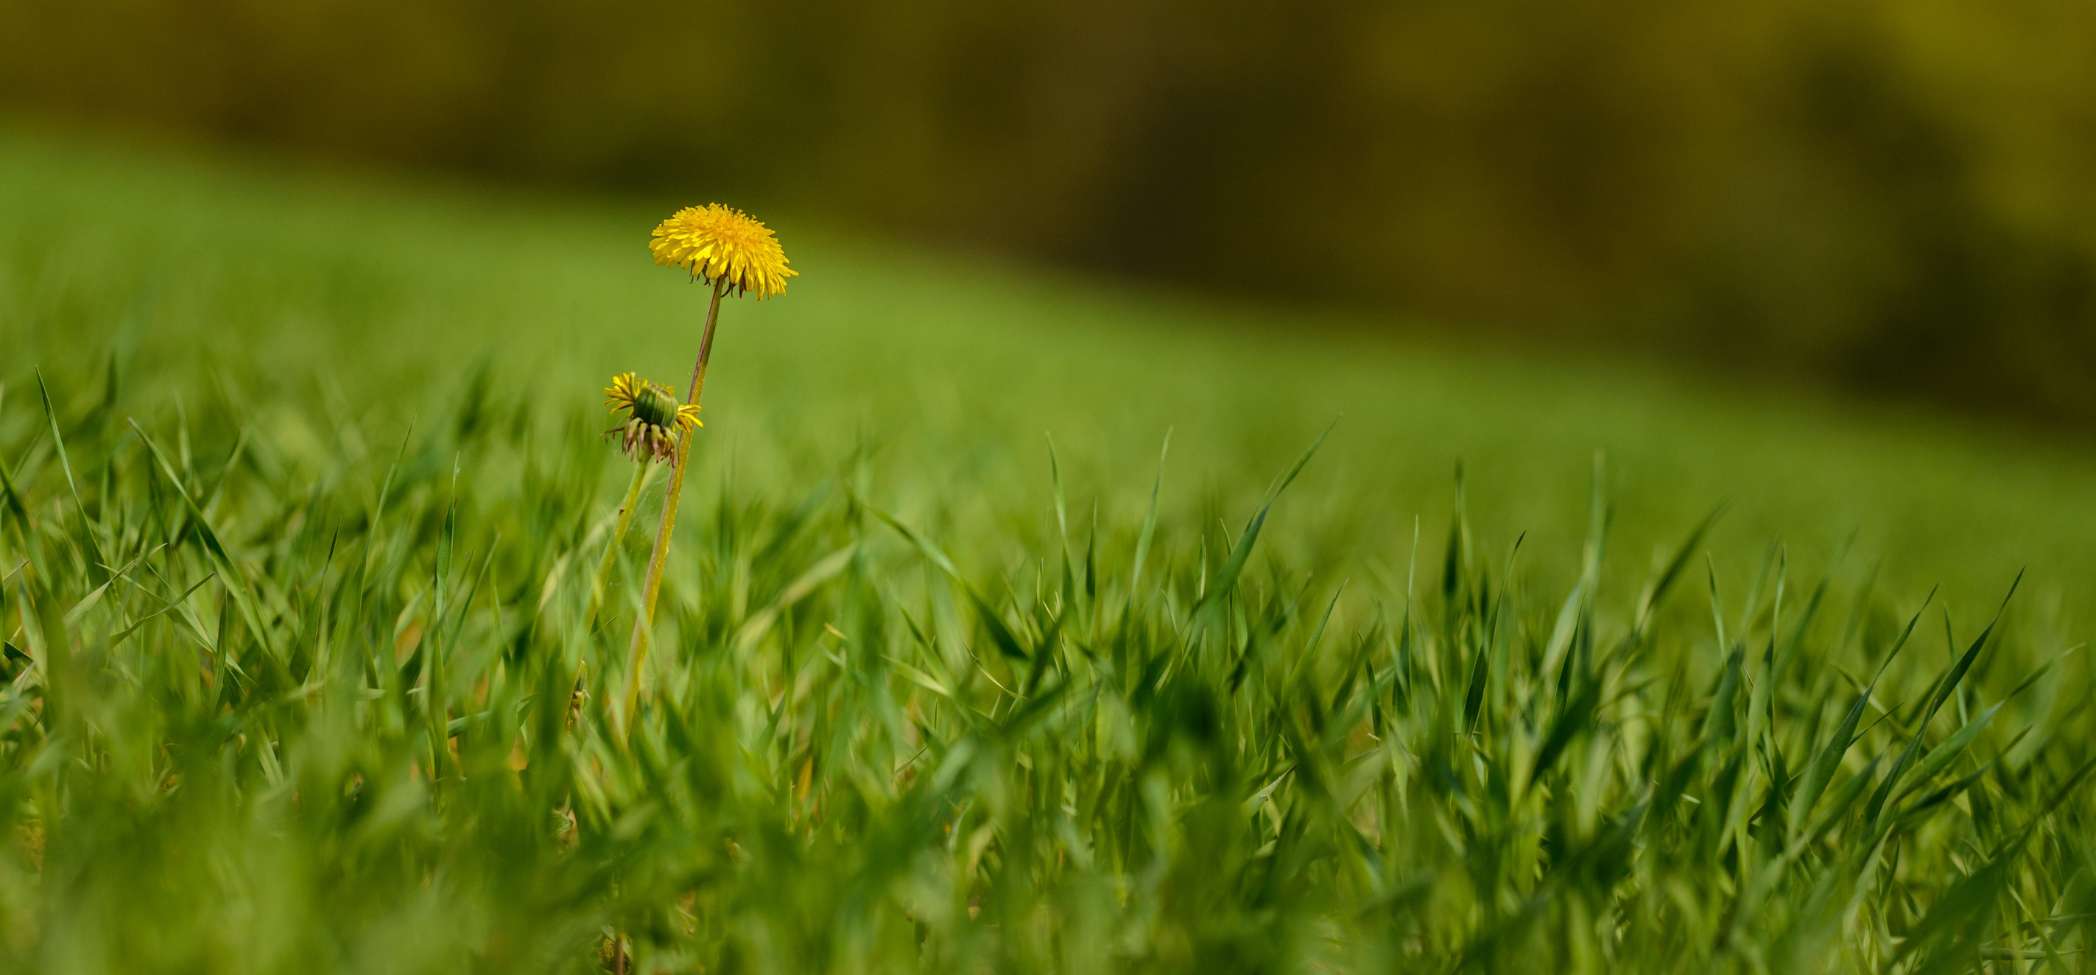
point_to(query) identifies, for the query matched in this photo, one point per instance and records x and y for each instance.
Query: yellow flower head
(716, 242)
(655, 421)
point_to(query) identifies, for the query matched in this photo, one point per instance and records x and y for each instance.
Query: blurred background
(1885, 196)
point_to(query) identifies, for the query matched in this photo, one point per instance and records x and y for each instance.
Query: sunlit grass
(957, 667)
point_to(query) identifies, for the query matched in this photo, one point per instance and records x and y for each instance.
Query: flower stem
(637, 655)
(611, 548)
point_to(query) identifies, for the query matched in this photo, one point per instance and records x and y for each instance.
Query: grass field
(959, 668)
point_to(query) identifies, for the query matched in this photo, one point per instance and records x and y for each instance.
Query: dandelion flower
(720, 243)
(655, 421)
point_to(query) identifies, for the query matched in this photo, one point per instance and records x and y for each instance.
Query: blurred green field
(344, 748)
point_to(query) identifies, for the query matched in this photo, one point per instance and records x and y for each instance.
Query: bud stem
(637, 655)
(611, 548)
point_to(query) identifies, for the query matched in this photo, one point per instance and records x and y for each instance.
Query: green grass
(957, 668)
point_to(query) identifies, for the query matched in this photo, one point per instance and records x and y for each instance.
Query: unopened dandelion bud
(654, 419)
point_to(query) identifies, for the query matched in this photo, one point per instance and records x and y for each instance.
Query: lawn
(987, 643)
